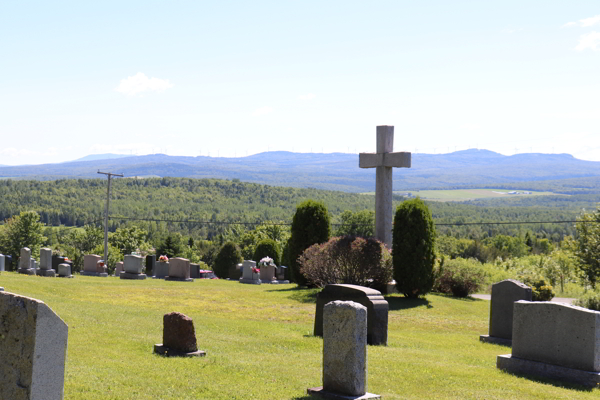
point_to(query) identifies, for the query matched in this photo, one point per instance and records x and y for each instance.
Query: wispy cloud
(589, 41)
(139, 83)
(584, 23)
(262, 111)
(308, 96)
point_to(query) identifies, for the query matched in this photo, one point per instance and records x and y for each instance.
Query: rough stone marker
(344, 352)
(33, 349)
(555, 340)
(179, 337)
(384, 160)
(504, 296)
(377, 307)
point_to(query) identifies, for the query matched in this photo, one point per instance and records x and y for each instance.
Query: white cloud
(584, 23)
(589, 41)
(139, 83)
(262, 111)
(308, 96)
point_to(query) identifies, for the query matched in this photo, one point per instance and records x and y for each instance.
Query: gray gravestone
(119, 268)
(555, 340)
(248, 274)
(377, 306)
(133, 267)
(25, 262)
(64, 271)
(161, 270)
(33, 349)
(1, 262)
(344, 352)
(179, 270)
(504, 295)
(46, 263)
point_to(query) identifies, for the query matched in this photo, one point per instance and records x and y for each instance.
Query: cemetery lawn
(259, 343)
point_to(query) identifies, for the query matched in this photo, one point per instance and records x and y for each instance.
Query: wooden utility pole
(110, 175)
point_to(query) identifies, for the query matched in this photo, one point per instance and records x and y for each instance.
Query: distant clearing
(470, 194)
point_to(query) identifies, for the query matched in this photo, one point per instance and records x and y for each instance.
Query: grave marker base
(251, 281)
(28, 271)
(275, 282)
(319, 392)
(127, 275)
(101, 274)
(521, 366)
(169, 278)
(495, 340)
(65, 276)
(165, 351)
(46, 272)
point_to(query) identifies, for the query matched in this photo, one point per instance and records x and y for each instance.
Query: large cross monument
(384, 160)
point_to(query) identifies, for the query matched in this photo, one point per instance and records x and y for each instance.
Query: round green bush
(309, 226)
(228, 256)
(267, 248)
(459, 277)
(413, 248)
(541, 290)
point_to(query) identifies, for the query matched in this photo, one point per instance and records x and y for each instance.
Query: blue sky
(233, 78)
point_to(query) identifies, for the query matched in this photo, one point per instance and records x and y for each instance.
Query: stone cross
(384, 160)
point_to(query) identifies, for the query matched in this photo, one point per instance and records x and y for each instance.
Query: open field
(259, 343)
(471, 194)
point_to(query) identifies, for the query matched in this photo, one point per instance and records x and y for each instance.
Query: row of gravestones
(245, 273)
(176, 269)
(48, 265)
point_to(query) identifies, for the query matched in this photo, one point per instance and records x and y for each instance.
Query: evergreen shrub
(229, 255)
(309, 226)
(267, 248)
(347, 259)
(413, 248)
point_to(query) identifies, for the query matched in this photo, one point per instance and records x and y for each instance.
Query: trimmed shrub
(229, 255)
(589, 300)
(541, 290)
(347, 259)
(459, 277)
(267, 248)
(309, 226)
(413, 248)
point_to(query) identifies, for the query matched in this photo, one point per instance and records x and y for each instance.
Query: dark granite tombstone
(8, 263)
(377, 309)
(235, 272)
(150, 262)
(194, 270)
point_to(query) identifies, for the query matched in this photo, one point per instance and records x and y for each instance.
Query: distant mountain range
(334, 171)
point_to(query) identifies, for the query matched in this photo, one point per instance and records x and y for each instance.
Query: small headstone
(8, 262)
(64, 271)
(93, 266)
(377, 319)
(344, 352)
(25, 262)
(179, 270)
(33, 349)
(46, 263)
(555, 340)
(504, 295)
(161, 270)
(150, 262)
(194, 270)
(2, 260)
(235, 272)
(179, 337)
(119, 268)
(133, 267)
(250, 273)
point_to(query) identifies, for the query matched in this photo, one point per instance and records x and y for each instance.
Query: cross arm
(372, 160)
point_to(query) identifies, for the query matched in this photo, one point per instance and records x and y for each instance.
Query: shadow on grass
(300, 294)
(553, 382)
(449, 296)
(404, 303)
(307, 397)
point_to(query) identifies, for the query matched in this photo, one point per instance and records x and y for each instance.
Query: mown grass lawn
(259, 343)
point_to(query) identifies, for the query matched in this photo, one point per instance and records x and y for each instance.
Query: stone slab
(160, 270)
(127, 275)
(251, 281)
(64, 271)
(27, 271)
(33, 349)
(517, 365)
(377, 306)
(557, 333)
(90, 261)
(46, 272)
(25, 258)
(504, 295)
(495, 340)
(194, 270)
(100, 274)
(320, 393)
(173, 278)
(133, 264)
(179, 268)
(165, 351)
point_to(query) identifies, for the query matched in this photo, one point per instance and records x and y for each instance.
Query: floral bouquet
(266, 262)
(163, 259)
(255, 270)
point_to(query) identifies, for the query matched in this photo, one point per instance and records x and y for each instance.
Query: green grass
(259, 343)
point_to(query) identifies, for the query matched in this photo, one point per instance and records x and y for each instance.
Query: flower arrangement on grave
(163, 259)
(255, 270)
(266, 262)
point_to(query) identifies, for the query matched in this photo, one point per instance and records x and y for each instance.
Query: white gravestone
(133, 267)
(248, 274)
(384, 160)
(33, 349)
(25, 262)
(344, 352)
(46, 263)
